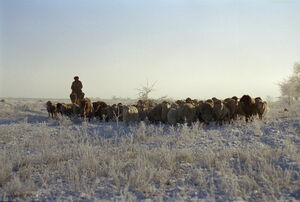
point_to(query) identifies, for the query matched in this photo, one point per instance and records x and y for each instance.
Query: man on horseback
(77, 93)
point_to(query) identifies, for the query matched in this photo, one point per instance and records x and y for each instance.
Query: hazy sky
(192, 48)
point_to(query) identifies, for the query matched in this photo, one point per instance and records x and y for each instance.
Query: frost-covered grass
(60, 159)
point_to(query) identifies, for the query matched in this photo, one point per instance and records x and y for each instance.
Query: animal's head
(235, 98)
(214, 99)
(49, 103)
(210, 102)
(246, 99)
(218, 104)
(180, 102)
(188, 100)
(58, 105)
(258, 99)
(165, 105)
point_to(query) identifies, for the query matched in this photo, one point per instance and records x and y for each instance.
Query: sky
(190, 48)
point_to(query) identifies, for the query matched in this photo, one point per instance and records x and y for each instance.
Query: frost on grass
(46, 159)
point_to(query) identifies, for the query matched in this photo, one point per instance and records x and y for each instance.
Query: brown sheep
(195, 102)
(145, 104)
(105, 113)
(154, 115)
(246, 107)
(98, 104)
(205, 112)
(111, 113)
(173, 116)
(130, 114)
(188, 100)
(214, 99)
(235, 98)
(232, 106)
(86, 108)
(187, 113)
(221, 112)
(58, 108)
(116, 112)
(64, 109)
(210, 101)
(51, 108)
(98, 108)
(143, 111)
(180, 102)
(260, 107)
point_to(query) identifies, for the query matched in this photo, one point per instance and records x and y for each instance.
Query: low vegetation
(65, 159)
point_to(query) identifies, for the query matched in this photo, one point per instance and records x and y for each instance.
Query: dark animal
(86, 108)
(64, 109)
(51, 108)
(99, 107)
(246, 107)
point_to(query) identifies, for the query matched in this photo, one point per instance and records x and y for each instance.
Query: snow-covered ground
(63, 159)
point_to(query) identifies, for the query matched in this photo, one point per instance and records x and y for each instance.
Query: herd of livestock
(180, 111)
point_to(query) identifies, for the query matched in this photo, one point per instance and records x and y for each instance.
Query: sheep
(205, 112)
(172, 116)
(116, 112)
(98, 108)
(130, 114)
(180, 102)
(232, 106)
(110, 112)
(195, 102)
(210, 101)
(260, 107)
(51, 108)
(98, 104)
(64, 109)
(214, 99)
(187, 113)
(154, 115)
(105, 113)
(145, 103)
(246, 107)
(143, 111)
(235, 98)
(188, 100)
(86, 108)
(58, 108)
(221, 112)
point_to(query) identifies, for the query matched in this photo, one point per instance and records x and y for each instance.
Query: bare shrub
(144, 91)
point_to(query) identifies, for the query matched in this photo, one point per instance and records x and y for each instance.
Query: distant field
(60, 159)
